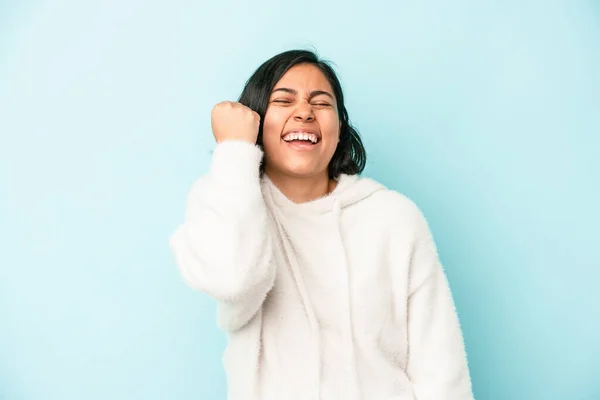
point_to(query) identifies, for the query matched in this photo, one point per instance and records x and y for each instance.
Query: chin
(298, 170)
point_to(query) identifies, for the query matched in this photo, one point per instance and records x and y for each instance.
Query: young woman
(328, 284)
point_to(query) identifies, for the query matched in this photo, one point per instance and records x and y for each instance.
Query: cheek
(273, 125)
(330, 128)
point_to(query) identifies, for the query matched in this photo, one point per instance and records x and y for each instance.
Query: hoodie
(342, 297)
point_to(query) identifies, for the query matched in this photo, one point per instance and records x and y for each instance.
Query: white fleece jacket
(339, 298)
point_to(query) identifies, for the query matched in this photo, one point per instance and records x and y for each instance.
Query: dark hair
(350, 155)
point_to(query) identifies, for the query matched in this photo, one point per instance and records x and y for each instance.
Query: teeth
(301, 136)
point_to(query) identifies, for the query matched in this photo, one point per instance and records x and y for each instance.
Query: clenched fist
(234, 121)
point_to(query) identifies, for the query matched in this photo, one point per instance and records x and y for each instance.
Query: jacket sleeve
(223, 247)
(437, 362)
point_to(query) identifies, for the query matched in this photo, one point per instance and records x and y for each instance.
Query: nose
(304, 113)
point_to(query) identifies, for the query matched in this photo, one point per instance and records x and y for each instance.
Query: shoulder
(392, 201)
(397, 209)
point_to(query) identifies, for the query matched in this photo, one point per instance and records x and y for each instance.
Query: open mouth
(309, 139)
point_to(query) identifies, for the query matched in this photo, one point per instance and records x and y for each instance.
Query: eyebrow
(312, 94)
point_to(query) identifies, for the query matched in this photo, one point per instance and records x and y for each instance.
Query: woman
(328, 285)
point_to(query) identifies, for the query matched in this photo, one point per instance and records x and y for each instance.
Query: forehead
(305, 77)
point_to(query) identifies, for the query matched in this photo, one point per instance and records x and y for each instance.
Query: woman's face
(301, 129)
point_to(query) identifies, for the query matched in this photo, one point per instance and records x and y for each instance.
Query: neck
(302, 189)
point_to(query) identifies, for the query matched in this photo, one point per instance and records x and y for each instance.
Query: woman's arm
(437, 363)
(224, 247)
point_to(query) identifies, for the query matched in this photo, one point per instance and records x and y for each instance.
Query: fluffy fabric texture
(342, 297)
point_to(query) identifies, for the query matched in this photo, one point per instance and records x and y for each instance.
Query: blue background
(486, 113)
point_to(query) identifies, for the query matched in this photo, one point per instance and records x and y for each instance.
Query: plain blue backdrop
(485, 113)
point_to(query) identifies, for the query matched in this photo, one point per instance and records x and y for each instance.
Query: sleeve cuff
(236, 162)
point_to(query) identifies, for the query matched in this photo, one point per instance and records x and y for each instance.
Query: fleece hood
(351, 189)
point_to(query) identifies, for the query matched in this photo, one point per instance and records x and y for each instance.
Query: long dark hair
(350, 156)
